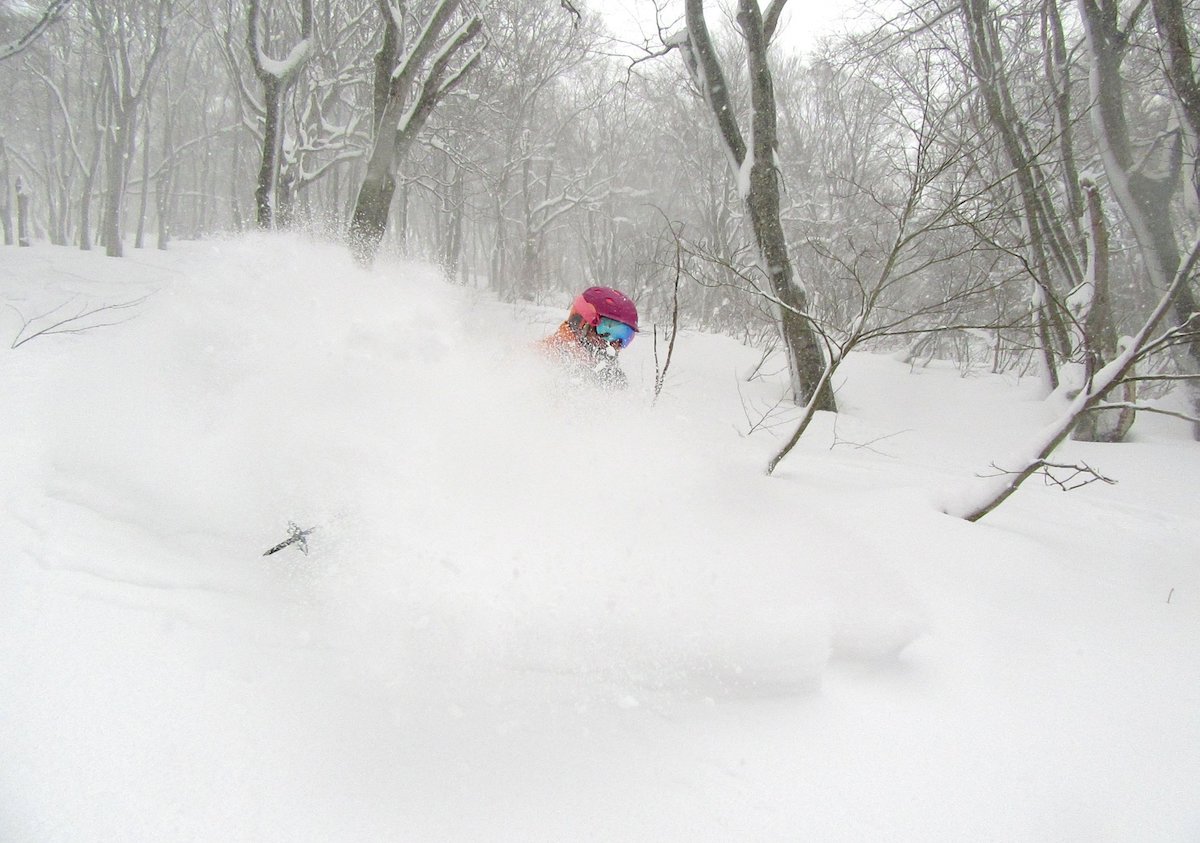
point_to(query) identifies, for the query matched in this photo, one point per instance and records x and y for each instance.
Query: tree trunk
(1145, 200)
(235, 184)
(139, 241)
(23, 231)
(285, 199)
(807, 356)
(276, 83)
(116, 177)
(371, 216)
(89, 181)
(264, 191)
(1037, 217)
(164, 187)
(497, 265)
(401, 227)
(6, 218)
(398, 124)
(1099, 340)
(452, 254)
(755, 168)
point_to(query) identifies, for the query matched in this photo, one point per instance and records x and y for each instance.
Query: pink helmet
(595, 302)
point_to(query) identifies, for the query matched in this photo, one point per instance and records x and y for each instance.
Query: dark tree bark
(139, 240)
(6, 218)
(755, 167)
(997, 489)
(1037, 215)
(53, 12)
(453, 248)
(1099, 341)
(428, 71)
(24, 232)
(277, 79)
(1145, 198)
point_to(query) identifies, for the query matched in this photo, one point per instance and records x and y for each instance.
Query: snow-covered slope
(534, 612)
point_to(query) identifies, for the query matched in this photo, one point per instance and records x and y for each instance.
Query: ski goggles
(614, 331)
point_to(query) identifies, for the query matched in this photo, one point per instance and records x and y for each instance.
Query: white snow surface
(536, 612)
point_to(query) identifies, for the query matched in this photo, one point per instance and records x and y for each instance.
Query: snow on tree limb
(283, 71)
(53, 12)
(437, 84)
(771, 18)
(397, 125)
(290, 65)
(700, 57)
(410, 63)
(985, 497)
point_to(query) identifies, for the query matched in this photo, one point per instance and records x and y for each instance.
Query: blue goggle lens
(612, 330)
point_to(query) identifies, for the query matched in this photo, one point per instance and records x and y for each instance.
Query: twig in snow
(1067, 483)
(296, 536)
(76, 324)
(863, 446)
(768, 419)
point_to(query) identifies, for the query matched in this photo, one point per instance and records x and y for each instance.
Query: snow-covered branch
(975, 505)
(700, 58)
(281, 71)
(53, 12)
(397, 126)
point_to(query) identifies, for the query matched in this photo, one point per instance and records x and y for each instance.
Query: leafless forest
(1011, 185)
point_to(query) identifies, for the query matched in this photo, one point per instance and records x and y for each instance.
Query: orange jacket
(594, 363)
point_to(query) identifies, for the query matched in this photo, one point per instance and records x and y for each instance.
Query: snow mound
(534, 612)
(470, 506)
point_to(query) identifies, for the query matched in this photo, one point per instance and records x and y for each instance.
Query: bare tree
(881, 269)
(330, 123)
(24, 233)
(1145, 182)
(995, 489)
(754, 165)
(277, 78)
(1043, 233)
(1171, 20)
(1092, 323)
(425, 67)
(131, 48)
(53, 12)
(6, 218)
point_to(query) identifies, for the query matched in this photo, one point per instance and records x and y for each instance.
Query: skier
(602, 321)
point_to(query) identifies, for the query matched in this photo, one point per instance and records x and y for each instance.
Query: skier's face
(613, 330)
(601, 344)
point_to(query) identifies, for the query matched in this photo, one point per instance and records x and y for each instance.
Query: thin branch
(1067, 483)
(76, 324)
(1143, 408)
(53, 12)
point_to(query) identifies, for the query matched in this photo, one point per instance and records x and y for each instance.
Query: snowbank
(574, 610)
